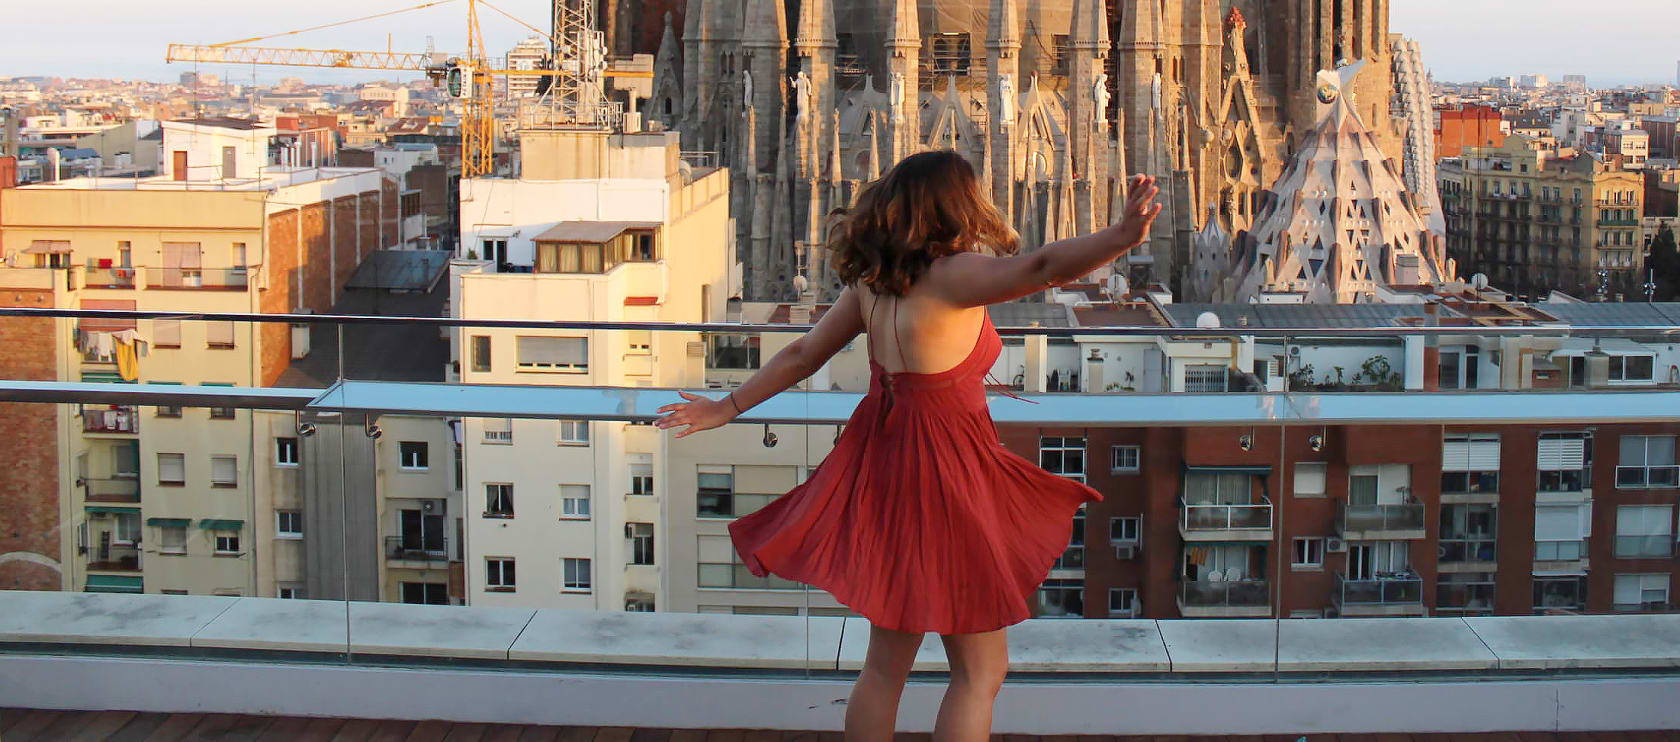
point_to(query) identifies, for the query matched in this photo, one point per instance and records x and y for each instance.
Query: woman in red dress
(919, 519)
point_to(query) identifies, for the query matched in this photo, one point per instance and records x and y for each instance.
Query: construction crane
(577, 93)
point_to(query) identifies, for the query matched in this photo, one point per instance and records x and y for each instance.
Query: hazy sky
(1636, 42)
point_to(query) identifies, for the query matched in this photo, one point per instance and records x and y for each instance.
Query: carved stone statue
(1155, 91)
(746, 88)
(1100, 96)
(802, 94)
(1006, 95)
(897, 97)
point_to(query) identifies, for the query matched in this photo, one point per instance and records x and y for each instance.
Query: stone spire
(1088, 95)
(764, 44)
(816, 44)
(816, 27)
(669, 98)
(1003, 49)
(903, 49)
(698, 71)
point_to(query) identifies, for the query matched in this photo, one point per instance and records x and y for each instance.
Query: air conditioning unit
(431, 506)
(1128, 551)
(1334, 545)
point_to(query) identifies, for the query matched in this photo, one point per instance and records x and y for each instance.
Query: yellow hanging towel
(128, 361)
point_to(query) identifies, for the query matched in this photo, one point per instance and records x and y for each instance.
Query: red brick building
(1469, 125)
(1365, 519)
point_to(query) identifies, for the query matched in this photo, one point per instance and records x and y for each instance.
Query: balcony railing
(1560, 551)
(1252, 593)
(1403, 518)
(1405, 589)
(1209, 518)
(1636, 477)
(118, 490)
(108, 278)
(115, 419)
(407, 549)
(207, 279)
(1645, 547)
(1454, 550)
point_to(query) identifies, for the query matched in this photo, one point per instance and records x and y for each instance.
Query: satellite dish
(1479, 281)
(1118, 286)
(800, 283)
(1207, 321)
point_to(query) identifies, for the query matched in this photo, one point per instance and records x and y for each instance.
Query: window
(1641, 593)
(218, 335)
(574, 432)
(1647, 461)
(1467, 533)
(1212, 488)
(285, 452)
(734, 352)
(1632, 369)
(1204, 378)
(574, 501)
(172, 468)
(425, 593)
(1061, 599)
(498, 500)
(413, 455)
(224, 471)
(639, 605)
(166, 333)
(1309, 553)
(1122, 602)
(1470, 463)
(1560, 532)
(481, 353)
(172, 540)
(499, 574)
(1064, 456)
(567, 355)
(719, 566)
(1565, 461)
(1126, 529)
(639, 342)
(227, 542)
(715, 498)
(1074, 556)
(238, 255)
(641, 473)
(495, 251)
(1644, 531)
(498, 430)
(641, 542)
(1125, 458)
(221, 413)
(288, 593)
(127, 530)
(1465, 592)
(1309, 478)
(1362, 488)
(575, 575)
(288, 524)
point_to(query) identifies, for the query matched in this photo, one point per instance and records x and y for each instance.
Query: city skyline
(1460, 51)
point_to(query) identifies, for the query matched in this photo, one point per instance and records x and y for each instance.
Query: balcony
(1648, 477)
(108, 278)
(1392, 522)
(117, 490)
(111, 420)
(1645, 547)
(1224, 599)
(405, 551)
(1397, 595)
(180, 279)
(1225, 522)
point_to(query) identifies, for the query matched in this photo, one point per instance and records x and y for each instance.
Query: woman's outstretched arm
(801, 358)
(973, 280)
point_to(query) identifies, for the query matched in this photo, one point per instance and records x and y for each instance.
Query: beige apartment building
(163, 499)
(605, 227)
(1534, 225)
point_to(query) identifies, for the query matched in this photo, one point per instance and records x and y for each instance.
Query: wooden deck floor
(25, 725)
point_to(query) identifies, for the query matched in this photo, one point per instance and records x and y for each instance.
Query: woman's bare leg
(978, 664)
(872, 712)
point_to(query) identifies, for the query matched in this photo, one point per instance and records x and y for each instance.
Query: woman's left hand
(698, 413)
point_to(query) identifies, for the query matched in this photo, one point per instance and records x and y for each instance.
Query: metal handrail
(741, 327)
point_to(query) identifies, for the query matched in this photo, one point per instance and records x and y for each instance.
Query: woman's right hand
(1139, 213)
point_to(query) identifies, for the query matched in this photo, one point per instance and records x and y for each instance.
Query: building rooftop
(400, 352)
(1615, 314)
(403, 270)
(1293, 316)
(582, 231)
(224, 122)
(272, 177)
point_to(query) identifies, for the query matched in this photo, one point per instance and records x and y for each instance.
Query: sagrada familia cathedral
(1054, 101)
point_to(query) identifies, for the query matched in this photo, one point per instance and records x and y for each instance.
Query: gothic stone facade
(1054, 101)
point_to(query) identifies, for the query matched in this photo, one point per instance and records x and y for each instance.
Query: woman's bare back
(920, 332)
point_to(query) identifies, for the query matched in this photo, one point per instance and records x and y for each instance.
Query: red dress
(919, 519)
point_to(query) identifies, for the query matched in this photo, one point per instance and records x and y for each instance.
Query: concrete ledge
(736, 702)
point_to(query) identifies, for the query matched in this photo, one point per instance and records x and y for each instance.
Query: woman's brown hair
(928, 206)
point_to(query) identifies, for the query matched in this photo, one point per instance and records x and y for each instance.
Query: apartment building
(599, 226)
(1467, 125)
(526, 55)
(1364, 520)
(162, 499)
(1535, 225)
